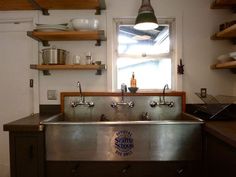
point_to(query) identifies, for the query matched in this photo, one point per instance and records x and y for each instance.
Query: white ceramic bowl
(80, 24)
(224, 58)
(94, 23)
(84, 24)
(233, 55)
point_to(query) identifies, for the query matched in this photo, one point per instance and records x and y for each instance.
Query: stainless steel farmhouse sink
(100, 139)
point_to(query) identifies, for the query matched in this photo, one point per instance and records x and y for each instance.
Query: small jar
(76, 59)
(88, 58)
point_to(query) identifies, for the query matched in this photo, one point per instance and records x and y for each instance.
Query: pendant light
(146, 19)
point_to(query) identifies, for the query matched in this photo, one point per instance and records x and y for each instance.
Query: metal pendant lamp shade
(146, 19)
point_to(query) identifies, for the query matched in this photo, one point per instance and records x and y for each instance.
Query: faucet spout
(80, 91)
(166, 87)
(123, 90)
(81, 101)
(122, 103)
(162, 100)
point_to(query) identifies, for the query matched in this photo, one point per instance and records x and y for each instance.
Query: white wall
(17, 98)
(195, 23)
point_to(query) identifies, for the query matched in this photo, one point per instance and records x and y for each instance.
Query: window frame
(171, 54)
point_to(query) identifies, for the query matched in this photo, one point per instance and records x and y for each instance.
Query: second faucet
(116, 104)
(81, 101)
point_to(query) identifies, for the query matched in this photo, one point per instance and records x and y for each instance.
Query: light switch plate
(52, 95)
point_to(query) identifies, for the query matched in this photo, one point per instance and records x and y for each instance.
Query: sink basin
(102, 119)
(76, 139)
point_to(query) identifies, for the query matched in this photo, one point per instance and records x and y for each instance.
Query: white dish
(224, 58)
(63, 24)
(51, 29)
(233, 55)
(84, 24)
(55, 26)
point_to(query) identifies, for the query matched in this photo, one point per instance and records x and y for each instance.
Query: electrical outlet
(52, 95)
(31, 83)
(203, 92)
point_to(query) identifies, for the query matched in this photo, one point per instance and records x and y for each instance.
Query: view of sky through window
(147, 54)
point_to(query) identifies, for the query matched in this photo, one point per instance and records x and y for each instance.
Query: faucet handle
(91, 104)
(73, 104)
(131, 104)
(114, 105)
(153, 104)
(171, 104)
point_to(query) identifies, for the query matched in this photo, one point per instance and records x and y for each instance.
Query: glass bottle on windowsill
(133, 82)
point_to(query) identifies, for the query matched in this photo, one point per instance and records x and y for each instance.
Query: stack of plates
(51, 27)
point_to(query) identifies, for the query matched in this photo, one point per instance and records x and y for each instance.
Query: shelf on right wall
(228, 33)
(226, 65)
(223, 4)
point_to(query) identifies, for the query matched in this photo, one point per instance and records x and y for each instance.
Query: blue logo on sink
(124, 143)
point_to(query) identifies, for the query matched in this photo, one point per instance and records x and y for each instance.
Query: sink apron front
(139, 141)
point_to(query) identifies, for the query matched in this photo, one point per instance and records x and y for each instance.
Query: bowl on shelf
(233, 55)
(133, 89)
(84, 24)
(224, 58)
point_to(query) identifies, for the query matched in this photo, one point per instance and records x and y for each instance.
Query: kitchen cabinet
(27, 154)
(45, 5)
(220, 158)
(229, 33)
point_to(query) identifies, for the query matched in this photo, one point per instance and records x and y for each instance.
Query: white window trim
(176, 85)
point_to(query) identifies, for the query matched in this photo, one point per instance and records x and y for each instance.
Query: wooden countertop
(224, 130)
(29, 123)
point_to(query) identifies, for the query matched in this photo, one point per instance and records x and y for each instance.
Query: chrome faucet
(81, 101)
(116, 104)
(166, 87)
(162, 100)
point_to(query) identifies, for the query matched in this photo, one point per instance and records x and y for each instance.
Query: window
(149, 54)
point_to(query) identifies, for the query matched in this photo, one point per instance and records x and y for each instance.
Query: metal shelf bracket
(37, 6)
(98, 43)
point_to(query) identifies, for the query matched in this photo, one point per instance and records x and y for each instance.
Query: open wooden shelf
(223, 4)
(226, 65)
(44, 37)
(228, 33)
(97, 5)
(46, 68)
